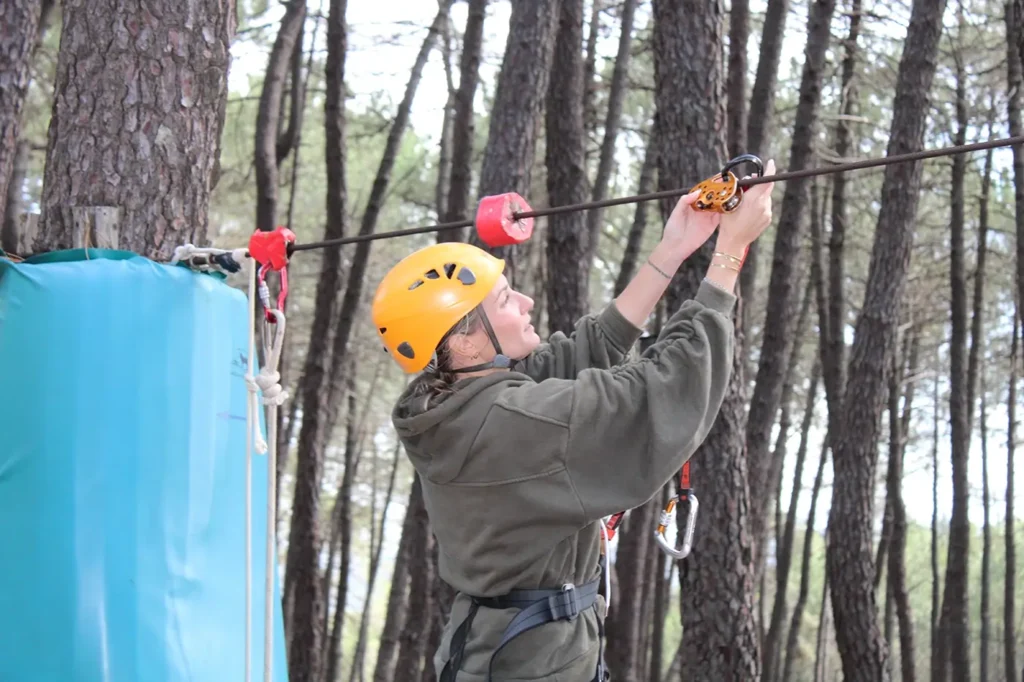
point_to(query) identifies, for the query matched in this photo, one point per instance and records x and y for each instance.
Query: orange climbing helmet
(426, 293)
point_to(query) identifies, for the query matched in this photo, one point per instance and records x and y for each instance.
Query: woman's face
(509, 314)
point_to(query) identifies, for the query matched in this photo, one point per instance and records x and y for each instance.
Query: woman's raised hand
(739, 229)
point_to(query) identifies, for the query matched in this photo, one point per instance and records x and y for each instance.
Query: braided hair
(439, 377)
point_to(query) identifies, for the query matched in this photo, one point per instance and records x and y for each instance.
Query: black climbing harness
(537, 607)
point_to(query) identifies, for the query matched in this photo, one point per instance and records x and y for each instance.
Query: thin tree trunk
(268, 115)
(796, 620)
(413, 637)
(863, 652)
(10, 234)
(343, 502)
(397, 612)
(624, 621)
(897, 570)
(936, 604)
(762, 101)
(1015, 81)
(20, 19)
(973, 372)
(590, 68)
(631, 252)
(376, 545)
(302, 596)
(662, 590)
(442, 183)
(155, 105)
(1009, 574)
(784, 559)
(783, 288)
(463, 127)
(955, 615)
(821, 649)
(516, 113)
(567, 238)
(736, 81)
(606, 161)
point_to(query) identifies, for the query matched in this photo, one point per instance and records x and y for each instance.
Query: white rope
(249, 420)
(188, 253)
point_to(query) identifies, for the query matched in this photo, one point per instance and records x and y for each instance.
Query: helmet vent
(467, 277)
(449, 270)
(382, 330)
(432, 274)
(415, 284)
(405, 349)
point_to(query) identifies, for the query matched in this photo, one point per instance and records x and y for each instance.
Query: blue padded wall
(122, 475)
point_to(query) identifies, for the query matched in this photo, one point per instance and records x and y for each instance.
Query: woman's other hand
(739, 229)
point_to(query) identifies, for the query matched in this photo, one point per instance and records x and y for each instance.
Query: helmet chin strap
(500, 361)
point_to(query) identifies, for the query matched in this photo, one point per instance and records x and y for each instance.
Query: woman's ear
(460, 345)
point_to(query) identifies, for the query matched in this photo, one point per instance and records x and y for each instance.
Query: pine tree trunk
(463, 127)
(20, 19)
(897, 570)
(412, 640)
(796, 620)
(139, 102)
(973, 365)
(717, 600)
(617, 92)
(1010, 564)
(590, 69)
(954, 619)
(783, 288)
(301, 586)
(268, 115)
(567, 238)
(833, 310)
(784, 554)
(624, 622)
(762, 101)
(736, 80)
(936, 653)
(516, 113)
(10, 231)
(397, 612)
(863, 652)
(631, 252)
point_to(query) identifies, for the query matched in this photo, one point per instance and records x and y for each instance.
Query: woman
(523, 448)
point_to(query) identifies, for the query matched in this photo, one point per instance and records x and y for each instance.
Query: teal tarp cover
(122, 475)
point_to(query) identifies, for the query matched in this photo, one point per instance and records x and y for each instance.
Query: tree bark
(567, 238)
(624, 652)
(20, 19)
(796, 620)
(1015, 82)
(736, 81)
(301, 587)
(1010, 565)
(717, 600)
(973, 364)
(268, 118)
(631, 252)
(762, 100)
(783, 288)
(137, 116)
(897, 570)
(516, 113)
(412, 640)
(784, 554)
(954, 619)
(463, 127)
(394, 620)
(617, 92)
(849, 560)
(936, 653)
(10, 232)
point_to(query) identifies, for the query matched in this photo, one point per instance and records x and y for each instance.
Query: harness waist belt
(536, 608)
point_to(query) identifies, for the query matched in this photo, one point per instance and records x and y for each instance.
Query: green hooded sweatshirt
(519, 467)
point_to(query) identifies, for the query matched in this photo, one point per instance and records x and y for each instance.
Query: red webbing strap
(684, 479)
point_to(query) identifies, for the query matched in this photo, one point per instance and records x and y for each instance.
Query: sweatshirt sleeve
(623, 432)
(598, 341)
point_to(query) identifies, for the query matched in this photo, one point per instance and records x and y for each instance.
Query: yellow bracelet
(734, 259)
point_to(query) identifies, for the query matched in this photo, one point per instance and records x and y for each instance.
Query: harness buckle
(565, 604)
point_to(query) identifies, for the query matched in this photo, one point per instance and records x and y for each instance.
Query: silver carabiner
(667, 515)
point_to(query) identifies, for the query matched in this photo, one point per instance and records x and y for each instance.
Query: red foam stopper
(495, 223)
